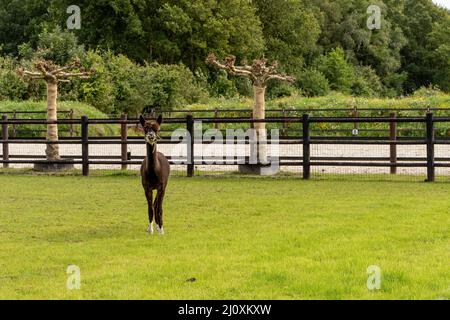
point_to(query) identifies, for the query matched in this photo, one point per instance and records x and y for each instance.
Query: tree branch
(73, 65)
(229, 66)
(65, 75)
(259, 72)
(281, 77)
(33, 75)
(48, 71)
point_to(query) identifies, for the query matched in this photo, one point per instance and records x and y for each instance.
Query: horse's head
(151, 129)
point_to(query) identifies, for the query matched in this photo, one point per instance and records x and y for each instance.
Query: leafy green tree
(411, 50)
(189, 30)
(439, 52)
(339, 72)
(108, 24)
(418, 23)
(21, 22)
(12, 87)
(168, 31)
(58, 46)
(344, 24)
(291, 31)
(425, 57)
(366, 82)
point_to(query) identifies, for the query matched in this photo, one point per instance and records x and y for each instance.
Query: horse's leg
(149, 196)
(159, 211)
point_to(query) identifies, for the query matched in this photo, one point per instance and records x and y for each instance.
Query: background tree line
(152, 53)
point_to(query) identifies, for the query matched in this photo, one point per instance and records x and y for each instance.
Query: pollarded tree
(260, 74)
(53, 74)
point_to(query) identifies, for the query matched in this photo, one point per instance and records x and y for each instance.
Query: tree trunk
(52, 150)
(259, 112)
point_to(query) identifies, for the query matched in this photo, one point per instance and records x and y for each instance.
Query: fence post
(124, 138)
(14, 126)
(5, 141)
(85, 144)
(71, 130)
(393, 146)
(190, 146)
(355, 115)
(306, 148)
(284, 122)
(430, 148)
(216, 115)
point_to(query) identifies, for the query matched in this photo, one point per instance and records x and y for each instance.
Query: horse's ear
(159, 120)
(142, 121)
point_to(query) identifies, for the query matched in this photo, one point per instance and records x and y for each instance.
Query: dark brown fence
(303, 158)
(17, 114)
(286, 112)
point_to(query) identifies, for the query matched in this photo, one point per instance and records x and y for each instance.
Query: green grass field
(240, 238)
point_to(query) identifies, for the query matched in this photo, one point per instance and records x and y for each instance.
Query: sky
(444, 3)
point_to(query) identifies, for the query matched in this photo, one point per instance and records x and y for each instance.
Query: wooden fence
(66, 114)
(303, 159)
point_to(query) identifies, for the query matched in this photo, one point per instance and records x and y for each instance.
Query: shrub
(120, 85)
(58, 45)
(279, 89)
(12, 87)
(164, 87)
(366, 83)
(98, 90)
(337, 70)
(244, 86)
(222, 86)
(393, 84)
(425, 92)
(313, 83)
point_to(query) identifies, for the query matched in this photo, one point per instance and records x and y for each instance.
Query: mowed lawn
(226, 238)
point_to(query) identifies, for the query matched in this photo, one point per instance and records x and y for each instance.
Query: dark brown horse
(155, 172)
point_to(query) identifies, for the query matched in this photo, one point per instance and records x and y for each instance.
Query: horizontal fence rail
(288, 109)
(306, 137)
(68, 114)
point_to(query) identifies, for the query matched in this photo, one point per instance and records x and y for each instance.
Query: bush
(367, 83)
(165, 87)
(426, 92)
(58, 45)
(313, 83)
(279, 89)
(222, 86)
(394, 83)
(12, 87)
(340, 73)
(120, 85)
(244, 86)
(98, 89)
